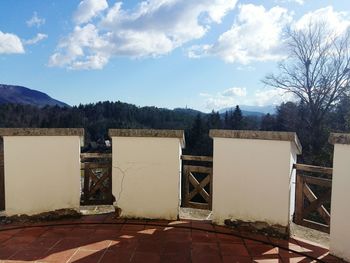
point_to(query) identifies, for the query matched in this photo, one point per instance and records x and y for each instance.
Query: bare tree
(317, 69)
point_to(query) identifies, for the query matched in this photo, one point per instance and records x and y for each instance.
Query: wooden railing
(97, 178)
(197, 181)
(2, 183)
(313, 196)
(96, 155)
(196, 158)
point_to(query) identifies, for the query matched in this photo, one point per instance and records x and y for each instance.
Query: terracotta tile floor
(104, 239)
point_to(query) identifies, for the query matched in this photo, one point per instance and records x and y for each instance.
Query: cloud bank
(240, 96)
(258, 33)
(153, 28)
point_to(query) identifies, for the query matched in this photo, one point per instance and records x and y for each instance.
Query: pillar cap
(42, 132)
(258, 135)
(339, 138)
(148, 133)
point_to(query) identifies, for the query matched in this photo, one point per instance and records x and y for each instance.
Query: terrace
(106, 239)
(252, 188)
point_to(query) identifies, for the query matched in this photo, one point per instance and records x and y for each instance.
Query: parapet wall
(41, 169)
(253, 178)
(340, 208)
(146, 172)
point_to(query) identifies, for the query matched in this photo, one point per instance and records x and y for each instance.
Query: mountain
(188, 111)
(10, 94)
(248, 110)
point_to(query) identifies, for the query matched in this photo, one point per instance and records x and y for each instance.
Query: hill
(10, 94)
(253, 110)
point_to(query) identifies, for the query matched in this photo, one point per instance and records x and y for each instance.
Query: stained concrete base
(194, 214)
(96, 209)
(309, 234)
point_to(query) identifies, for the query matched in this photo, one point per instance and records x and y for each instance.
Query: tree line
(99, 117)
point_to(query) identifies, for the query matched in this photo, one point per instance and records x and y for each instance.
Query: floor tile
(262, 249)
(205, 258)
(176, 258)
(176, 247)
(58, 255)
(140, 257)
(29, 255)
(116, 257)
(6, 252)
(236, 259)
(86, 256)
(234, 250)
(222, 238)
(205, 248)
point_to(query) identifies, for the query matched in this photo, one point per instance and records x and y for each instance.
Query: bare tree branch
(317, 69)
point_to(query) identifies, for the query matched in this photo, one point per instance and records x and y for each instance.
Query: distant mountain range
(252, 110)
(10, 94)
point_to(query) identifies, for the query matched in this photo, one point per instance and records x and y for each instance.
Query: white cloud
(39, 37)
(336, 22)
(256, 35)
(239, 96)
(77, 48)
(153, 28)
(226, 98)
(35, 21)
(235, 91)
(271, 97)
(300, 2)
(89, 9)
(10, 44)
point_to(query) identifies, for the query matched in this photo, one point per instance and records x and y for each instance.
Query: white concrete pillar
(340, 207)
(42, 169)
(146, 172)
(253, 177)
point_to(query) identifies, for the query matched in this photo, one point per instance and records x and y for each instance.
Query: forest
(99, 117)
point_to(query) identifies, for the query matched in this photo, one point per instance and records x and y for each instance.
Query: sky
(201, 54)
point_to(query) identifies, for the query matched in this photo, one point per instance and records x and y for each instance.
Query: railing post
(299, 199)
(2, 183)
(186, 183)
(86, 184)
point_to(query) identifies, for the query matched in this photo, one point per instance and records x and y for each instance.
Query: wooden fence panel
(197, 179)
(97, 176)
(312, 207)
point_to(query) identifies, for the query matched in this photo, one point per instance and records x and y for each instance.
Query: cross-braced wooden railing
(313, 196)
(97, 182)
(197, 182)
(2, 183)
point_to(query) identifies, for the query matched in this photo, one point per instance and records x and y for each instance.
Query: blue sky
(203, 54)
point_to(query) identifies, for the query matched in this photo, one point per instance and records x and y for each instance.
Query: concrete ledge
(42, 132)
(339, 138)
(148, 133)
(258, 135)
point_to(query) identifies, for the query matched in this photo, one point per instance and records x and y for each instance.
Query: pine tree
(214, 121)
(237, 119)
(227, 121)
